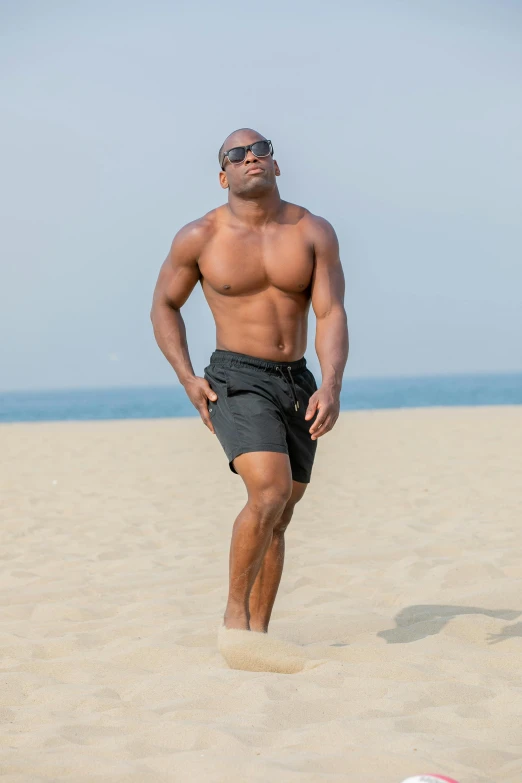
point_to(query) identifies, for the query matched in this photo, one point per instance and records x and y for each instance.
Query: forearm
(171, 336)
(331, 345)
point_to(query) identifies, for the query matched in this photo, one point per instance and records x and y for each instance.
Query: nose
(250, 157)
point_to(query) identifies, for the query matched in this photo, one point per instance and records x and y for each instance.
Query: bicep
(328, 278)
(179, 273)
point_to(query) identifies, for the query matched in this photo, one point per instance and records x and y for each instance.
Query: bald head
(238, 138)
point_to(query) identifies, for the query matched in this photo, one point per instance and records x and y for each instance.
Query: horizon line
(346, 378)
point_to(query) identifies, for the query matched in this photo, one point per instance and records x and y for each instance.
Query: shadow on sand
(507, 632)
(417, 622)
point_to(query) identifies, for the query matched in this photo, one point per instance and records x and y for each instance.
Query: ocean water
(357, 394)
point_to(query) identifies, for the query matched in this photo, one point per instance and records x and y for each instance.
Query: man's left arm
(331, 340)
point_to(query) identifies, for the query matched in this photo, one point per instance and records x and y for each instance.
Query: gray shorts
(261, 406)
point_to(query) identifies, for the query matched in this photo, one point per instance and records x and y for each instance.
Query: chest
(238, 263)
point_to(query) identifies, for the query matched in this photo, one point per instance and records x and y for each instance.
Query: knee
(271, 501)
(288, 511)
(284, 520)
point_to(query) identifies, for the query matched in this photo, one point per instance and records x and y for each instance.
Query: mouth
(256, 170)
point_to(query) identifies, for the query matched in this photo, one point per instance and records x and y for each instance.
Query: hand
(199, 392)
(325, 401)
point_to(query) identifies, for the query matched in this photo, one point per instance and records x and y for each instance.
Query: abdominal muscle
(270, 324)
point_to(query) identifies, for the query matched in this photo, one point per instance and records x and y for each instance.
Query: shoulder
(190, 240)
(319, 229)
(316, 230)
(314, 227)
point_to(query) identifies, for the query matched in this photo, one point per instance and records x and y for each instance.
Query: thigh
(246, 417)
(257, 417)
(266, 471)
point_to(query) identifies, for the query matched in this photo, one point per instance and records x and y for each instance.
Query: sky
(400, 122)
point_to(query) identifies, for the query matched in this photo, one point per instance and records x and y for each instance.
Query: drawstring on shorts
(294, 392)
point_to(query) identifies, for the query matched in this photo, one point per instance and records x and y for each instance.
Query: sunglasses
(260, 149)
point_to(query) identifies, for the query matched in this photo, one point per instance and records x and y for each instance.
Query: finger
(315, 429)
(322, 415)
(211, 394)
(203, 412)
(312, 407)
(326, 427)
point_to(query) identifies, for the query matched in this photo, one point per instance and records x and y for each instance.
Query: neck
(255, 211)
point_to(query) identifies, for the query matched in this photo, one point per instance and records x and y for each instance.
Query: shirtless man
(261, 261)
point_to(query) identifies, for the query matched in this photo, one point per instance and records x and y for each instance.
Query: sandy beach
(402, 594)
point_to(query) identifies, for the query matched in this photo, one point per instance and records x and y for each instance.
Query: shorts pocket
(247, 393)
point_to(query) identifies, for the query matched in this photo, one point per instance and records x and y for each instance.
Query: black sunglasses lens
(236, 154)
(261, 149)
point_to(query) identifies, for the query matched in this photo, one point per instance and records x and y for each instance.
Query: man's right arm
(176, 281)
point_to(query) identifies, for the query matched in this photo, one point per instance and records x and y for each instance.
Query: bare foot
(258, 628)
(237, 620)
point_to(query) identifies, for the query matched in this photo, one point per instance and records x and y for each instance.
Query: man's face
(253, 176)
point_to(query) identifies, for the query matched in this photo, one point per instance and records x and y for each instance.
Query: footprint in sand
(257, 652)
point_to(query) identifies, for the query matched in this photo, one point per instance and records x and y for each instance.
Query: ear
(223, 181)
(276, 168)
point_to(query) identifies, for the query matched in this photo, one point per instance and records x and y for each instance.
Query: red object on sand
(441, 777)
